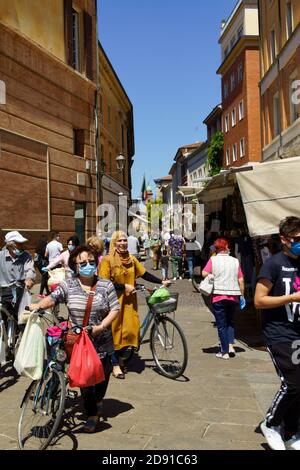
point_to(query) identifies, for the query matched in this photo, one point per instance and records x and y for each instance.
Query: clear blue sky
(165, 53)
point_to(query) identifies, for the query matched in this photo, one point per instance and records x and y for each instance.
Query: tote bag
(56, 276)
(85, 367)
(31, 353)
(22, 313)
(207, 285)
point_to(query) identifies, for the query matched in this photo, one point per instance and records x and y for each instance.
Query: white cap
(14, 236)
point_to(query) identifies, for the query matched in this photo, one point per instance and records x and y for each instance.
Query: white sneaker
(180, 277)
(190, 280)
(220, 355)
(293, 443)
(174, 278)
(273, 436)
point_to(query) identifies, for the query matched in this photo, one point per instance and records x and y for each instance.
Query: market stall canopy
(270, 192)
(189, 191)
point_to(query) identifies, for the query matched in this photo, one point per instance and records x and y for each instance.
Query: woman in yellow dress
(123, 269)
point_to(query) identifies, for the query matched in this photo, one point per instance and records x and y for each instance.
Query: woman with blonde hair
(123, 269)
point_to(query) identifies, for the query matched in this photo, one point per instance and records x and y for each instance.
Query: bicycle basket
(166, 306)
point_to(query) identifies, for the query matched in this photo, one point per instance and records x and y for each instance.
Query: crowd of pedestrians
(110, 274)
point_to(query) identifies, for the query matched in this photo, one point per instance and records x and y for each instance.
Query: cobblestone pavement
(216, 405)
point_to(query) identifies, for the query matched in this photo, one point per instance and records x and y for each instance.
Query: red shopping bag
(85, 367)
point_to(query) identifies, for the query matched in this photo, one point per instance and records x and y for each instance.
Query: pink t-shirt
(217, 298)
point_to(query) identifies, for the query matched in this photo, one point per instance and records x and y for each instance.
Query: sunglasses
(122, 240)
(83, 264)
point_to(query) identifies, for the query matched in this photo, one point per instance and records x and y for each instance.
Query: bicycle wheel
(42, 410)
(169, 347)
(196, 280)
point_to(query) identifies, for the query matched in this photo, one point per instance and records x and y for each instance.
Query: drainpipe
(280, 150)
(97, 127)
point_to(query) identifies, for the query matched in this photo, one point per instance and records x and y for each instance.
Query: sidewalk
(217, 405)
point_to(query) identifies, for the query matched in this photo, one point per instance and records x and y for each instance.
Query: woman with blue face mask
(63, 259)
(74, 292)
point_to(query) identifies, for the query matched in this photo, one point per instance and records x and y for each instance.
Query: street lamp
(120, 162)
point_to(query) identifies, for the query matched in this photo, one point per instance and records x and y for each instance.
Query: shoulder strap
(88, 307)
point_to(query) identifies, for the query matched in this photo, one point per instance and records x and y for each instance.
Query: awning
(270, 192)
(189, 191)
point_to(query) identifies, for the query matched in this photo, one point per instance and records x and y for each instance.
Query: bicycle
(167, 341)
(10, 331)
(43, 404)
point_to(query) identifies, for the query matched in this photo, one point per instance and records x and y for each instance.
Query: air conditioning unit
(81, 179)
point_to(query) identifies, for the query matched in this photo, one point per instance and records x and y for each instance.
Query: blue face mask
(18, 252)
(295, 248)
(88, 270)
(71, 248)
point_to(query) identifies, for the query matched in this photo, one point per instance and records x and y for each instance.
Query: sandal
(118, 375)
(90, 425)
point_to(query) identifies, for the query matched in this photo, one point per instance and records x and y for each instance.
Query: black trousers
(94, 394)
(7, 300)
(285, 408)
(44, 283)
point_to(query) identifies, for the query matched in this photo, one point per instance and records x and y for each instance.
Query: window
(227, 123)
(122, 127)
(80, 221)
(273, 48)
(78, 142)
(234, 153)
(233, 117)
(232, 81)
(289, 19)
(242, 147)
(232, 42)
(108, 115)
(293, 98)
(226, 90)
(227, 156)
(226, 52)
(241, 110)
(240, 73)
(110, 162)
(75, 39)
(276, 112)
(240, 32)
(101, 104)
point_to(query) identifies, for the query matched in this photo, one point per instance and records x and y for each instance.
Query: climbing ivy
(215, 152)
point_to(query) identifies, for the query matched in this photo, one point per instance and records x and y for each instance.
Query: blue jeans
(190, 263)
(164, 272)
(224, 312)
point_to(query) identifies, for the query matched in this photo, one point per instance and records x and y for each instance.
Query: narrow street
(217, 405)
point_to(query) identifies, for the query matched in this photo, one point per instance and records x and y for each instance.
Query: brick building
(240, 72)
(50, 150)
(116, 132)
(280, 66)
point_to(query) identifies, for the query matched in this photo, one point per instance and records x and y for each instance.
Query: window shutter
(68, 31)
(88, 43)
